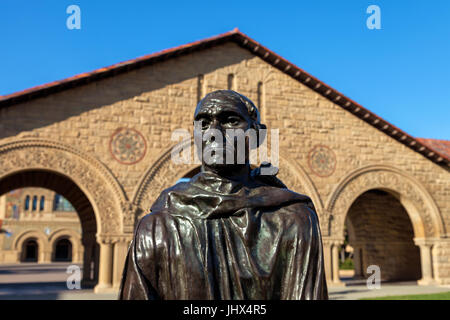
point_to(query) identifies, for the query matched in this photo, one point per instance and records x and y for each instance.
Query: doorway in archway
(47, 214)
(30, 251)
(380, 233)
(63, 251)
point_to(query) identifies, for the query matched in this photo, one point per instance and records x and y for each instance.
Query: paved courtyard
(42, 282)
(48, 281)
(356, 292)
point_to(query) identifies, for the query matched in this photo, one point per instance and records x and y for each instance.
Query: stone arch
(157, 178)
(90, 175)
(41, 239)
(73, 237)
(420, 206)
(99, 198)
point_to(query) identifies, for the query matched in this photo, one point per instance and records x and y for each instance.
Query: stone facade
(111, 139)
(40, 215)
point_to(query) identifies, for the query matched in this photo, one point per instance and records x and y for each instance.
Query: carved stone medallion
(322, 161)
(127, 146)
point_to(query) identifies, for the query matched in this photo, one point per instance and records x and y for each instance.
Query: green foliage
(347, 264)
(432, 296)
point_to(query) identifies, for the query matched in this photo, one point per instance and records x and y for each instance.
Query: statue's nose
(215, 124)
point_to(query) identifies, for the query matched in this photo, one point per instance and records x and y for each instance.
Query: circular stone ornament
(127, 145)
(322, 160)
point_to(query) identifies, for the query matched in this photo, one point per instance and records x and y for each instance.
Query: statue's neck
(239, 173)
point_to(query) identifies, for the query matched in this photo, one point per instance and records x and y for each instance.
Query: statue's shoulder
(306, 201)
(299, 210)
(156, 214)
(298, 205)
(159, 207)
(146, 224)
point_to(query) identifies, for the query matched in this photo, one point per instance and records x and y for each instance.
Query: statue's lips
(216, 150)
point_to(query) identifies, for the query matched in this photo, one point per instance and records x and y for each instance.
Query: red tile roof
(442, 146)
(427, 150)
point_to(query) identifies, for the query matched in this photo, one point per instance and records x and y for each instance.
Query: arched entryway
(62, 250)
(89, 186)
(30, 250)
(386, 212)
(380, 233)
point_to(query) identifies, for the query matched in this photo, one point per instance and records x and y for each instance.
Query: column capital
(333, 241)
(427, 242)
(113, 238)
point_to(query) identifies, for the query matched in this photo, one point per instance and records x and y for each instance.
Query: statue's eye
(205, 124)
(233, 120)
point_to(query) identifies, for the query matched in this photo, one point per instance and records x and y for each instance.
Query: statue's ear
(262, 132)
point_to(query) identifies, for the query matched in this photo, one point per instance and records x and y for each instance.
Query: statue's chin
(218, 163)
(217, 166)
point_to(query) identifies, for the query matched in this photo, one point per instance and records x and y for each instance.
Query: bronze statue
(229, 232)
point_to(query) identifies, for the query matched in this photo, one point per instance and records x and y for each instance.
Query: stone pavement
(41, 282)
(358, 291)
(48, 282)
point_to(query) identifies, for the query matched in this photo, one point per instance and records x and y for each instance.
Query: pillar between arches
(426, 260)
(105, 264)
(331, 260)
(113, 251)
(121, 245)
(46, 256)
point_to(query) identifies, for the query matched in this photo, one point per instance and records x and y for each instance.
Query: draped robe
(214, 238)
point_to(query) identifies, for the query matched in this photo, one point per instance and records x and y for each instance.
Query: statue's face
(220, 115)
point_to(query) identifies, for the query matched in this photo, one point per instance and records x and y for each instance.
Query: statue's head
(217, 116)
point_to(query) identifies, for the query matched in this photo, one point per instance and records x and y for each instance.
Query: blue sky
(401, 72)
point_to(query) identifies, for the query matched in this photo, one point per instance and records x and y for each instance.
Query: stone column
(77, 255)
(3, 207)
(335, 263)
(426, 260)
(46, 257)
(331, 260)
(77, 250)
(105, 265)
(120, 253)
(327, 259)
(48, 203)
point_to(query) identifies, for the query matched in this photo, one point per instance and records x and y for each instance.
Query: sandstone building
(41, 227)
(103, 141)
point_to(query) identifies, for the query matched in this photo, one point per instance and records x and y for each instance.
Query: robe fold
(213, 238)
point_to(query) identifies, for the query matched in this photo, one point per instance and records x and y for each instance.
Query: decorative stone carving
(130, 213)
(322, 160)
(89, 174)
(127, 145)
(325, 220)
(386, 178)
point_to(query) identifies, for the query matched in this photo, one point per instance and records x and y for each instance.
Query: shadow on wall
(81, 99)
